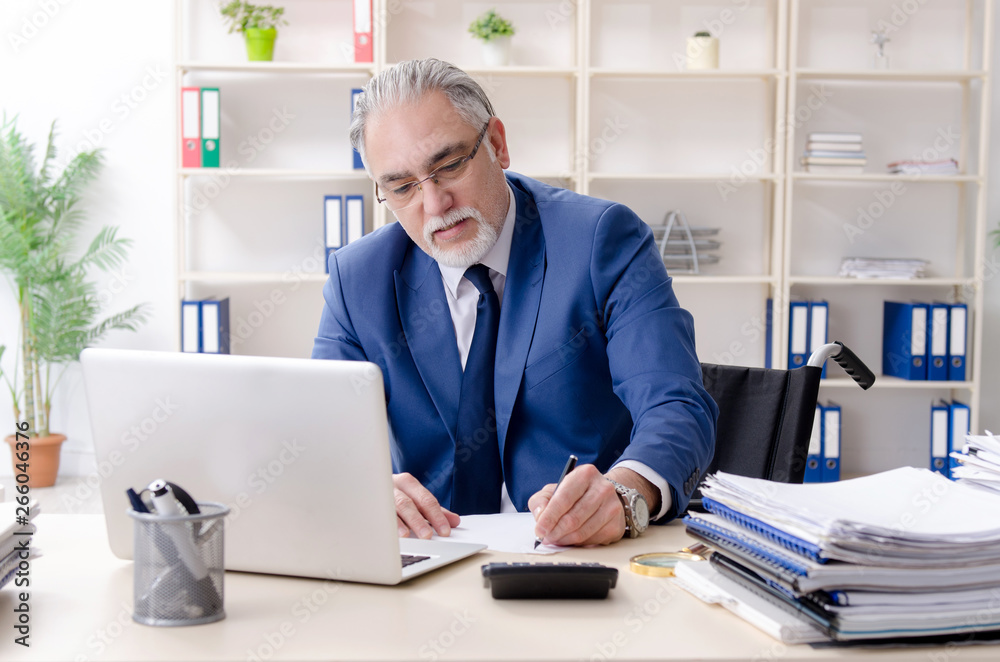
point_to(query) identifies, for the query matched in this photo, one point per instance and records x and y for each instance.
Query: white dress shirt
(463, 297)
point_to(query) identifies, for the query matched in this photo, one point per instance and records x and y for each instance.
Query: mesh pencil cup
(179, 567)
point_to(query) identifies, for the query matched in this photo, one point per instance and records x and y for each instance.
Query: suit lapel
(430, 334)
(519, 311)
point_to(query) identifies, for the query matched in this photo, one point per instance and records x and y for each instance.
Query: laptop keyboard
(410, 559)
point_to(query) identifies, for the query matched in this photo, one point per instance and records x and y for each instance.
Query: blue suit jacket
(595, 356)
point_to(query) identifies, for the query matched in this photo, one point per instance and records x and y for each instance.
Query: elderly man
(515, 324)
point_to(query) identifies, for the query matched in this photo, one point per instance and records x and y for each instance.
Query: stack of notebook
(882, 267)
(902, 554)
(978, 464)
(834, 153)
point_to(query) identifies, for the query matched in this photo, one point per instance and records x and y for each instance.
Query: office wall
(102, 68)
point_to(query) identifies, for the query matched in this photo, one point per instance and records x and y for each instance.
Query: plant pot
(496, 52)
(43, 459)
(260, 44)
(702, 53)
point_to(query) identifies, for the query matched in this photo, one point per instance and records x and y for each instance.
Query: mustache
(451, 218)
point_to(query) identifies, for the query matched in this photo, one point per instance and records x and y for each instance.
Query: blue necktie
(478, 474)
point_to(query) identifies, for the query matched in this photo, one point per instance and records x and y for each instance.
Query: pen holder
(179, 567)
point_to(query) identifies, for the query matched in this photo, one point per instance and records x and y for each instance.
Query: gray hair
(408, 82)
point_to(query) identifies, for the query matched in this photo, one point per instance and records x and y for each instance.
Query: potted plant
(59, 306)
(495, 33)
(702, 51)
(259, 25)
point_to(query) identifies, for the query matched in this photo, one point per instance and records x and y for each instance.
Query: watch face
(641, 513)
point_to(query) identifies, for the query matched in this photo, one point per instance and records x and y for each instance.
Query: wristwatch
(636, 510)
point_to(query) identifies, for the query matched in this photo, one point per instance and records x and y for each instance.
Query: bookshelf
(595, 100)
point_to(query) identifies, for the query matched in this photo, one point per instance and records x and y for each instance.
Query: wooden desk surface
(81, 602)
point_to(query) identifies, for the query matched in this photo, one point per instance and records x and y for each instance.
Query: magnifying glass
(661, 564)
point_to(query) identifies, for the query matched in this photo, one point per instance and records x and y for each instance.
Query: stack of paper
(834, 153)
(904, 553)
(942, 167)
(15, 533)
(979, 462)
(882, 267)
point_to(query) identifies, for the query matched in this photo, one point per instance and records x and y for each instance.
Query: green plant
(491, 26)
(702, 33)
(244, 15)
(59, 306)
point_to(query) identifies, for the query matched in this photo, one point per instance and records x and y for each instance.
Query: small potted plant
(58, 305)
(702, 51)
(259, 25)
(495, 33)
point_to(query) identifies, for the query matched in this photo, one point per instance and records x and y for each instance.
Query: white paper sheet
(504, 532)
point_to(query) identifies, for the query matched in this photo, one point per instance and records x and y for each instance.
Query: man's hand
(417, 510)
(585, 511)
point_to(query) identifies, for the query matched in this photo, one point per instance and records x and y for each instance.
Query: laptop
(298, 449)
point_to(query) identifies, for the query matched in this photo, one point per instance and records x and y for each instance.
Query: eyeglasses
(451, 173)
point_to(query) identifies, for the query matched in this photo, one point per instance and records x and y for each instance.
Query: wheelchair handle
(847, 359)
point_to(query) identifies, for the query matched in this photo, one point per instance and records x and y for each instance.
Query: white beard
(470, 252)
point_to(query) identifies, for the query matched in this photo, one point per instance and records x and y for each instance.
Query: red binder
(191, 127)
(363, 31)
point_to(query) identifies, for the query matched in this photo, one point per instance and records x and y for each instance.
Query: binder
(210, 127)
(814, 456)
(355, 94)
(819, 316)
(215, 326)
(937, 341)
(958, 428)
(362, 30)
(354, 218)
(768, 332)
(957, 325)
(798, 334)
(831, 443)
(904, 340)
(939, 439)
(333, 225)
(190, 326)
(191, 127)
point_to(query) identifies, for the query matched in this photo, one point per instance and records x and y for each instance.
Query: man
(588, 354)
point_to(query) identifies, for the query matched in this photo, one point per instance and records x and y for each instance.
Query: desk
(81, 601)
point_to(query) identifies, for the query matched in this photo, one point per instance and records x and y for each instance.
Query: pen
(570, 463)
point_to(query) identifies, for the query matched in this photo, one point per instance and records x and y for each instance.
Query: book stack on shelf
(861, 559)
(977, 462)
(882, 267)
(834, 153)
(684, 249)
(924, 341)
(941, 167)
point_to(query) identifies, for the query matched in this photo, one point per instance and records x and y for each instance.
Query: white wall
(102, 68)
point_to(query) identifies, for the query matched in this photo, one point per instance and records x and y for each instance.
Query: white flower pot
(496, 52)
(702, 53)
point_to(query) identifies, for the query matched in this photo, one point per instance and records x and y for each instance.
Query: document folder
(354, 225)
(355, 93)
(904, 340)
(210, 109)
(333, 224)
(215, 326)
(956, 342)
(814, 455)
(191, 127)
(363, 30)
(939, 439)
(190, 326)
(958, 423)
(819, 319)
(937, 342)
(798, 334)
(831, 443)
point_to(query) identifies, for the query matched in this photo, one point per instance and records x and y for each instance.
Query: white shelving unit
(597, 100)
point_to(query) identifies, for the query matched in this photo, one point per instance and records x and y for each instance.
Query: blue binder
(215, 326)
(819, 323)
(937, 341)
(831, 443)
(958, 427)
(957, 325)
(355, 93)
(775, 535)
(798, 334)
(190, 326)
(354, 218)
(768, 332)
(904, 340)
(333, 225)
(814, 456)
(940, 439)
